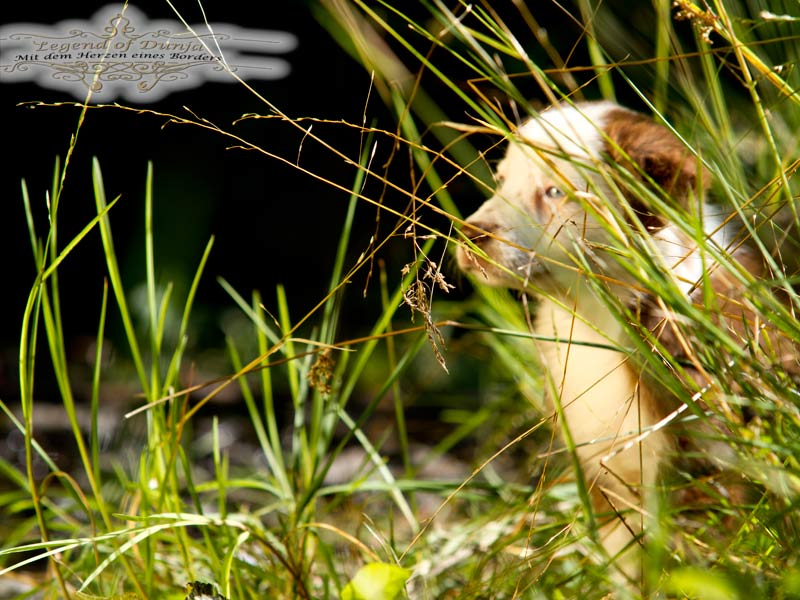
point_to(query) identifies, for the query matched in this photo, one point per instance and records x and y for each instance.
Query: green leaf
(702, 584)
(376, 581)
(791, 584)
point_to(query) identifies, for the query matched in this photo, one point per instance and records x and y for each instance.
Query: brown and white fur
(552, 189)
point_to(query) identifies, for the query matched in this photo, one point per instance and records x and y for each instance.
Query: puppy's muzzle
(478, 232)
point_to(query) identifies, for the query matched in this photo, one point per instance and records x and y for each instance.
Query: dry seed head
(321, 372)
(703, 20)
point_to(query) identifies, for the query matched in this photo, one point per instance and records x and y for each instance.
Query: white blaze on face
(575, 131)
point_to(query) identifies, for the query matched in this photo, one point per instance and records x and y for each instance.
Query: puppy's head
(553, 192)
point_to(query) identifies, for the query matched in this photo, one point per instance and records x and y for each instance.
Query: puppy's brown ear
(633, 137)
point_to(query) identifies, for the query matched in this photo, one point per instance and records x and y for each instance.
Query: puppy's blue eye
(553, 192)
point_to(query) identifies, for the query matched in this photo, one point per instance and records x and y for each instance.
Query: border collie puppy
(550, 230)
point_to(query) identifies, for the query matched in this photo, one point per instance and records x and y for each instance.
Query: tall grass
(512, 523)
(724, 78)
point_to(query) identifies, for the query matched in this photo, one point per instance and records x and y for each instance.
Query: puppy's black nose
(477, 232)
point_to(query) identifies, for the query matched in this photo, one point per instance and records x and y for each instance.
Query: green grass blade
(116, 278)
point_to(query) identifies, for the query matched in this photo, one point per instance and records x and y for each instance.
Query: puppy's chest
(581, 338)
(588, 368)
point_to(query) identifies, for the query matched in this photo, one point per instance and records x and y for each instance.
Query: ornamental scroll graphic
(119, 53)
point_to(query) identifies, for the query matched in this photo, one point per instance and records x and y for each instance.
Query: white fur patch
(575, 130)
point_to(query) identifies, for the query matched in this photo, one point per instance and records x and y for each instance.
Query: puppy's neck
(575, 313)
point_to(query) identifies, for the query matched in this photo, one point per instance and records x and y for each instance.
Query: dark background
(272, 223)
